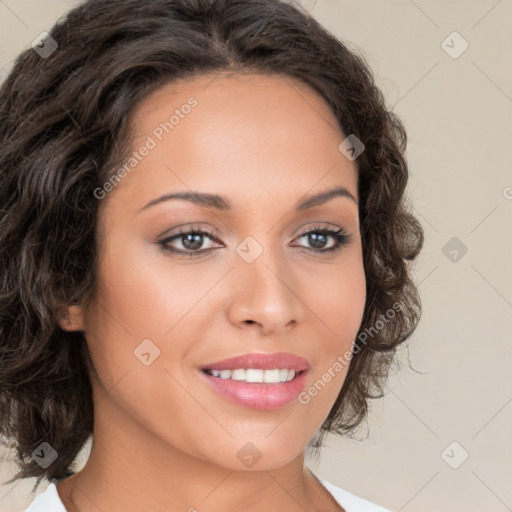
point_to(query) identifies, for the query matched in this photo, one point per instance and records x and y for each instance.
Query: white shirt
(49, 500)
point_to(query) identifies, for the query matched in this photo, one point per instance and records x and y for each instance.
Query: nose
(265, 296)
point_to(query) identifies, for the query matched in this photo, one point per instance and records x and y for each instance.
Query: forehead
(228, 133)
(234, 90)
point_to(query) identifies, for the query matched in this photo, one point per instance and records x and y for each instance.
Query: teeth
(255, 375)
(238, 374)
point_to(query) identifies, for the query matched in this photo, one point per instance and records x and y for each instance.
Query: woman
(204, 244)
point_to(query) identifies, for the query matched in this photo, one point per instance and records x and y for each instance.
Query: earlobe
(71, 318)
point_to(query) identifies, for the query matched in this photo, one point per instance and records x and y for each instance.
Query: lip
(258, 395)
(261, 362)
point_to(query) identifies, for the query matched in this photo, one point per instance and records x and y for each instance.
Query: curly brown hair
(64, 129)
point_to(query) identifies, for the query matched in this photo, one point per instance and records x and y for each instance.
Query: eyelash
(341, 239)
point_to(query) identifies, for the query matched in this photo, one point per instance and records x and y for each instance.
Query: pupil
(196, 243)
(314, 240)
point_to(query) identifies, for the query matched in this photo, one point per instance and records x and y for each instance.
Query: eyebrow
(221, 203)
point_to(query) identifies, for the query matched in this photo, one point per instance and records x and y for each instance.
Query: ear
(71, 318)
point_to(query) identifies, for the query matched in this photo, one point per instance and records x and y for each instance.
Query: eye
(318, 237)
(191, 240)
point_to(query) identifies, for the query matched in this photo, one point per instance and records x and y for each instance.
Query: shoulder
(47, 501)
(350, 502)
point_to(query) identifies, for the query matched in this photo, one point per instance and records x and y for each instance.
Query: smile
(257, 395)
(273, 376)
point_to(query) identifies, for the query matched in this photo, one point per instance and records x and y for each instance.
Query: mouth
(258, 381)
(254, 388)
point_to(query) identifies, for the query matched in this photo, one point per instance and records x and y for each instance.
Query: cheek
(339, 299)
(126, 324)
(339, 305)
(350, 305)
(141, 296)
(146, 293)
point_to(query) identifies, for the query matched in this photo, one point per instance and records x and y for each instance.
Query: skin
(163, 440)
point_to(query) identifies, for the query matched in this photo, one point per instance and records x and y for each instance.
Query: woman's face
(163, 313)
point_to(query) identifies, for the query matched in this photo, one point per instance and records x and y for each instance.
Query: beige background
(458, 114)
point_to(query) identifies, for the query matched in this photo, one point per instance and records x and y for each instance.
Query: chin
(258, 453)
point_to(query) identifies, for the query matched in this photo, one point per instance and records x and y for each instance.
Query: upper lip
(261, 362)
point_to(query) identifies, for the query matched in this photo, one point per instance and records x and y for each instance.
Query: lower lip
(258, 395)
